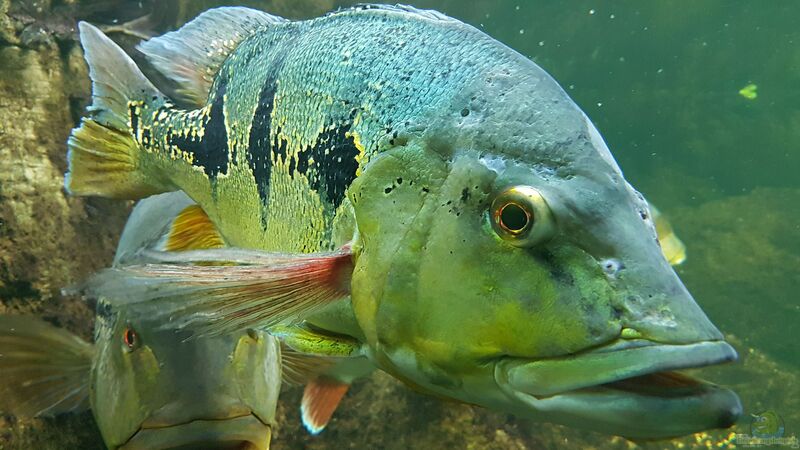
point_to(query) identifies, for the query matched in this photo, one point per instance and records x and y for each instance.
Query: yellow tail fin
(104, 156)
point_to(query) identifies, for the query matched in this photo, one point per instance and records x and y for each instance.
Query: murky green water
(699, 103)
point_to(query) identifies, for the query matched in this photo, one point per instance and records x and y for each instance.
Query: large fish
(434, 198)
(147, 387)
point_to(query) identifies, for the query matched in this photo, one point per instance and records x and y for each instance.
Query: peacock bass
(397, 185)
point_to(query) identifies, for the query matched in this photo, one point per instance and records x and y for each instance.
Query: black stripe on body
(210, 151)
(334, 155)
(259, 147)
(334, 165)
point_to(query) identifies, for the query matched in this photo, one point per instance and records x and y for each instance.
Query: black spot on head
(464, 112)
(104, 309)
(465, 194)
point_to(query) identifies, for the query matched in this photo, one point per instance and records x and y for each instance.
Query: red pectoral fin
(233, 289)
(321, 397)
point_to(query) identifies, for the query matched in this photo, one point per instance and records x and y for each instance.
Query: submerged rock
(744, 254)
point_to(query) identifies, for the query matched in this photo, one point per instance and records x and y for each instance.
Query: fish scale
(308, 115)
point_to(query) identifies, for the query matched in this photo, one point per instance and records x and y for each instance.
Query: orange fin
(193, 230)
(321, 397)
(262, 290)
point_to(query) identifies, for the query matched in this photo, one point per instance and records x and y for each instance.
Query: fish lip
(600, 397)
(246, 429)
(610, 363)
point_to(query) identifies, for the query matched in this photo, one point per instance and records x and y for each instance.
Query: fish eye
(130, 338)
(513, 218)
(521, 216)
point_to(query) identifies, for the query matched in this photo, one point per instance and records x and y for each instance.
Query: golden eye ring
(521, 216)
(513, 218)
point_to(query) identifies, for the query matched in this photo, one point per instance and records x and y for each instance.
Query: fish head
(153, 388)
(502, 259)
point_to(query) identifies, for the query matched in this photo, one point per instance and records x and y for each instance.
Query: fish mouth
(240, 433)
(630, 388)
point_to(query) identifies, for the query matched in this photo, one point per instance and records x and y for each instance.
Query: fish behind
(147, 386)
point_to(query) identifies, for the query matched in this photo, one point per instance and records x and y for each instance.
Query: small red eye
(129, 338)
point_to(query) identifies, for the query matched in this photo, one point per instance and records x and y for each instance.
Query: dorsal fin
(192, 55)
(427, 14)
(192, 230)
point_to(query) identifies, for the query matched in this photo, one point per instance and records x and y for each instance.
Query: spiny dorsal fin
(193, 230)
(427, 14)
(44, 370)
(192, 55)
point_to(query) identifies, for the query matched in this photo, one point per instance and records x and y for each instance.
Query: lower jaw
(640, 414)
(241, 433)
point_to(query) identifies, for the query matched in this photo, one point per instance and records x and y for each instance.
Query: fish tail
(104, 156)
(44, 369)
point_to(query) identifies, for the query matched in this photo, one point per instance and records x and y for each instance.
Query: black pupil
(513, 217)
(130, 338)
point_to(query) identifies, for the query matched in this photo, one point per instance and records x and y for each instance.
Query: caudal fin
(104, 156)
(44, 370)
